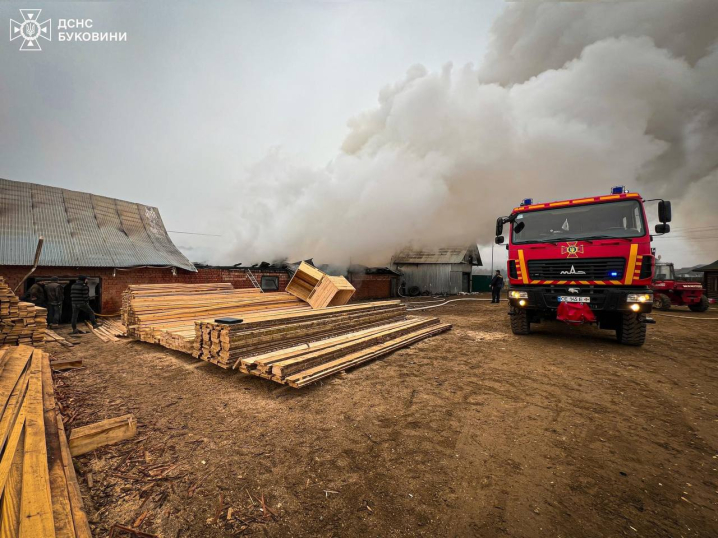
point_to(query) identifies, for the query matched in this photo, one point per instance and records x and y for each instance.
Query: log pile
(39, 495)
(165, 314)
(20, 322)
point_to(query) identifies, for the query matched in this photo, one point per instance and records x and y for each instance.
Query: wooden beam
(88, 438)
(66, 364)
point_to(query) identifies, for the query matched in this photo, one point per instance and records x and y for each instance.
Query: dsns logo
(30, 30)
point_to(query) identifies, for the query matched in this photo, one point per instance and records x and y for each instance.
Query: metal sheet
(81, 230)
(439, 255)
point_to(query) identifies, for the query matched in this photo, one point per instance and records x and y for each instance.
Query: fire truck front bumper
(599, 299)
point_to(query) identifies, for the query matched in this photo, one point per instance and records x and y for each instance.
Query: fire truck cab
(587, 260)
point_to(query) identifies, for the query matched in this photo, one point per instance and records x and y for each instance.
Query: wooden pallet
(40, 496)
(331, 291)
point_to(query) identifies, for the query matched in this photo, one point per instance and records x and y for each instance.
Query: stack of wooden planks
(165, 314)
(278, 336)
(108, 330)
(224, 344)
(300, 348)
(39, 493)
(20, 322)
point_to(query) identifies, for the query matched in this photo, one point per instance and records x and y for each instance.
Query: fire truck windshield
(608, 220)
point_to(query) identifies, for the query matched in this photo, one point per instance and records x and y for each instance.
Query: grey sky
(201, 90)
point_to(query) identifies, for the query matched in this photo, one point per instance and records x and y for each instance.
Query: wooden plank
(36, 502)
(88, 438)
(82, 525)
(66, 364)
(10, 507)
(61, 511)
(311, 375)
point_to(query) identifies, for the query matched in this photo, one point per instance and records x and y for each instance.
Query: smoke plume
(571, 99)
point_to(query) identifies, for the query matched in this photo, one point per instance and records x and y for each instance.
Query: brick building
(113, 242)
(373, 282)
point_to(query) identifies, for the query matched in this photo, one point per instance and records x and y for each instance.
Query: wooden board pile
(295, 337)
(39, 493)
(108, 329)
(165, 314)
(299, 348)
(20, 322)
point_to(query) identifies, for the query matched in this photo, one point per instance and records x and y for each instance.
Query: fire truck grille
(577, 269)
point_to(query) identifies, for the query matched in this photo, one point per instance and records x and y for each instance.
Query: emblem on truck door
(573, 249)
(573, 272)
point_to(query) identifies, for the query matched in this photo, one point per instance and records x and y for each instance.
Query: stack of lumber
(108, 329)
(225, 344)
(299, 348)
(20, 322)
(165, 314)
(39, 493)
(277, 336)
(319, 289)
(52, 336)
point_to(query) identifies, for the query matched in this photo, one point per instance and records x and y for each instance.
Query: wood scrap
(114, 430)
(65, 364)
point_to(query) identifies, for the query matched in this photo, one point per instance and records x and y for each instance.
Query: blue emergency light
(620, 189)
(527, 201)
(614, 273)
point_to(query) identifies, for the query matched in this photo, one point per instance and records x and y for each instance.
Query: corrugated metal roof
(710, 267)
(81, 230)
(438, 255)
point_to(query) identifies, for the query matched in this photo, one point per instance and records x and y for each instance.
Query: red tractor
(669, 291)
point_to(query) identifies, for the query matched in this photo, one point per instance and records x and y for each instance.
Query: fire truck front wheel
(520, 323)
(700, 306)
(631, 330)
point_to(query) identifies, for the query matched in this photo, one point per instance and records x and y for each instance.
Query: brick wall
(113, 286)
(371, 286)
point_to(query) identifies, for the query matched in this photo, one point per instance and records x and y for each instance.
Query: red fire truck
(587, 260)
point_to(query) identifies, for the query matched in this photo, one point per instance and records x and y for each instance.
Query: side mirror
(499, 226)
(499, 239)
(663, 228)
(664, 211)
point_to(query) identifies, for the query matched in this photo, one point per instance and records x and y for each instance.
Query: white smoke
(571, 99)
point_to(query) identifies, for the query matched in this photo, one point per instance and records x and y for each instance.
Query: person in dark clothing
(55, 294)
(497, 283)
(35, 295)
(80, 296)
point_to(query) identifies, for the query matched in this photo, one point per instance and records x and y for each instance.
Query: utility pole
(492, 258)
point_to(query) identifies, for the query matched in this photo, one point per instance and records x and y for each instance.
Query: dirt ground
(476, 432)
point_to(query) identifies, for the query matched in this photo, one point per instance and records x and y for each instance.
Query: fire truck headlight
(635, 307)
(639, 298)
(513, 294)
(522, 302)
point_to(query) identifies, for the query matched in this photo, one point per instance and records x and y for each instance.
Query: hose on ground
(682, 317)
(445, 302)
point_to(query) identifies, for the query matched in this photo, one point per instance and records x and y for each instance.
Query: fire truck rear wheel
(631, 330)
(662, 302)
(700, 306)
(520, 323)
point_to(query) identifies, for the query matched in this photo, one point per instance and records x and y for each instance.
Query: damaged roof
(439, 255)
(81, 230)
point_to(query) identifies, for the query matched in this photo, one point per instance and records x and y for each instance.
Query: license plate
(571, 299)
